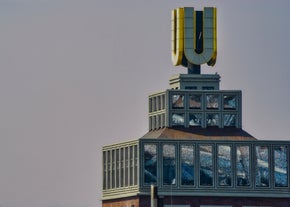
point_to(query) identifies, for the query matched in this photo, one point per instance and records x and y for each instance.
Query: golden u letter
(193, 34)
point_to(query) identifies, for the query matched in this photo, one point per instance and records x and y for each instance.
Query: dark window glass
(150, 164)
(224, 165)
(281, 166)
(262, 166)
(230, 102)
(243, 166)
(169, 164)
(195, 101)
(205, 165)
(177, 101)
(187, 165)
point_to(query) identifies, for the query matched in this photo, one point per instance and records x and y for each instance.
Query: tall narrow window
(113, 169)
(262, 166)
(126, 166)
(224, 165)
(104, 170)
(122, 168)
(117, 168)
(109, 165)
(187, 164)
(243, 165)
(150, 164)
(169, 164)
(281, 166)
(131, 167)
(136, 157)
(206, 165)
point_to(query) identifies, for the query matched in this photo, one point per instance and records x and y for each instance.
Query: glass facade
(196, 166)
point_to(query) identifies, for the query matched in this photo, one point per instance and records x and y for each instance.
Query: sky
(75, 76)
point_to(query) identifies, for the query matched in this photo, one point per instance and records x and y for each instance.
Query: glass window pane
(177, 101)
(212, 101)
(229, 120)
(195, 119)
(243, 166)
(169, 162)
(281, 166)
(230, 102)
(212, 120)
(104, 170)
(195, 101)
(187, 165)
(224, 165)
(177, 119)
(205, 165)
(122, 167)
(113, 169)
(126, 166)
(150, 164)
(262, 166)
(131, 167)
(136, 157)
(117, 168)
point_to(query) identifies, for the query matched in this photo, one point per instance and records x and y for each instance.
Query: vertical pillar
(154, 197)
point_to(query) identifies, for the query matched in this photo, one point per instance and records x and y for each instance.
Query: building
(196, 153)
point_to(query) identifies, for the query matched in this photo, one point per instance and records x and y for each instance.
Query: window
(281, 166)
(150, 164)
(224, 165)
(195, 101)
(229, 120)
(243, 165)
(262, 166)
(212, 119)
(169, 164)
(177, 101)
(212, 101)
(230, 102)
(187, 164)
(205, 165)
(177, 119)
(195, 119)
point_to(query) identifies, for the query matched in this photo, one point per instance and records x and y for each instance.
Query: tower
(195, 152)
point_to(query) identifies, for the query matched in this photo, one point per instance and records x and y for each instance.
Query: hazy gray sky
(75, 75)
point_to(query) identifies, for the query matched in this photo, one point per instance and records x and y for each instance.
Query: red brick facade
(144, 201)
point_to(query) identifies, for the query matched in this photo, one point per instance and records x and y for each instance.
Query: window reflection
(281, 166)
(169, 164)
(195, 101)
(150, 164)
(177, 119)
(205, 165)
(195, 119)
(229, 102)
(177, 101)
(262, 166)
(187, 164)
(224, 165)
(229, 120)
(212, 119)
(212, 101)
(243, 166)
